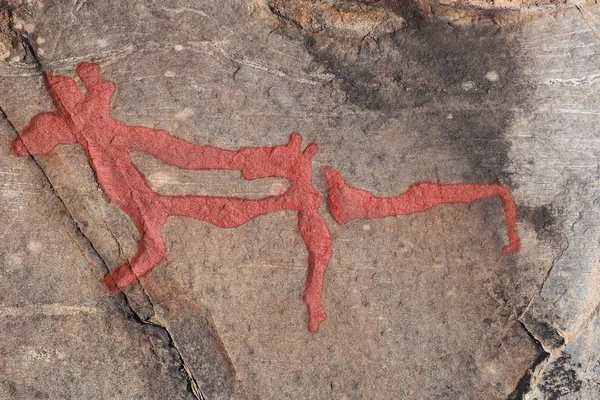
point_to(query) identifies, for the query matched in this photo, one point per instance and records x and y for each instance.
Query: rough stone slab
(418, 306)
(572, 373)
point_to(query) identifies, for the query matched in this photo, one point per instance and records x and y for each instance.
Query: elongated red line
(347, 203)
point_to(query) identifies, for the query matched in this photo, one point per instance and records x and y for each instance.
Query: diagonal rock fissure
(547, 274)
(193, 386)
(146, 312)
(157, 321)
(525, 383)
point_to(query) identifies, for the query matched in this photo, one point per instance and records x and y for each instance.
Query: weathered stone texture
(62, 335)
(422, 306)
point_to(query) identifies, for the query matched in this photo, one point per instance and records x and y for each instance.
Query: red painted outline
(347, 203)
(108, 144)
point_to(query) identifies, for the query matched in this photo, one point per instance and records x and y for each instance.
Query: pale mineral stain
(277, 189)
(159, 179)
(29, 27)
(170, 74)
(492, 76)
(13, 262)
(34, 246)
(4, 51)
(468, 85)
(184, 114)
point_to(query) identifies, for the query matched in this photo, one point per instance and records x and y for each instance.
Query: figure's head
(47, 130)
(44, 132)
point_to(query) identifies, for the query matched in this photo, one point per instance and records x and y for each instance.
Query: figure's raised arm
(99, 90)
(65, 94)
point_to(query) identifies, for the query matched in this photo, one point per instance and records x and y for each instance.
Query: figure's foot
(110, 284)
(512, 247)
(119, 278)
(293, 148)
(283, 161)
(316, 315)
(19, 148)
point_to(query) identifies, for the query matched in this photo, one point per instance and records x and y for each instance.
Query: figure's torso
(117, 176)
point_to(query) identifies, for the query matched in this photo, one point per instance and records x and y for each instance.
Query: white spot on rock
(178, 47)
(468, 85)
(277, 189)
(367, 227)
(102, 43)
(184, 114)
(34, 247)
(170, 74)
(158, 180)
(492, 76)
(4, 51)
(29, 27)
(13, 262)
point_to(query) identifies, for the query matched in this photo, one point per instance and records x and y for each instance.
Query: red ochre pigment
(347, 203)
(109, 143)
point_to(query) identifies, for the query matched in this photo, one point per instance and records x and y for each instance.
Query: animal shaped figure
(108, 143)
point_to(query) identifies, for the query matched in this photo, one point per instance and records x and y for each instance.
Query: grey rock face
(419, 307)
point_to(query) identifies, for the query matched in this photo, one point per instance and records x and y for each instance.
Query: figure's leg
(317, 238)
(151, 251)
(423, 196)
(225, 212)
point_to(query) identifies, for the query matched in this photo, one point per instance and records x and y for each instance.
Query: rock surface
(419, 307)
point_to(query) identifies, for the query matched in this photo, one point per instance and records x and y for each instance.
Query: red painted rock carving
(108, 143)
(347, 203)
